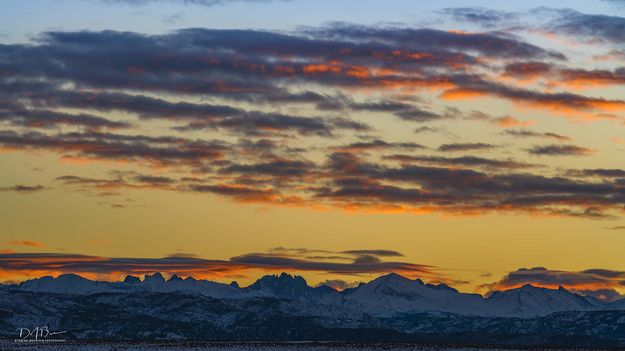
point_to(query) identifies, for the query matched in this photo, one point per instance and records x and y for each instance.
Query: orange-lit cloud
(26, 243)
(584, 281)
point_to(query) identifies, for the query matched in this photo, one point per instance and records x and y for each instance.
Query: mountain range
(285, 307)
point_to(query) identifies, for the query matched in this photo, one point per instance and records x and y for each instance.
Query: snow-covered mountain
(69, 284)
(386, 296)
(76, 285)
(392, 294)
(285, 307)
(530, 301)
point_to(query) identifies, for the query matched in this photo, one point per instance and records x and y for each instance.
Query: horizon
(475, 145)
(168, 277)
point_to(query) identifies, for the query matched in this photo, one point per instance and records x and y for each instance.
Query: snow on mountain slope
(616, 305)
(77, 285)
(190, 285)
(392, 294)
(530, 301)
(386, 296)
(288, 286)
(69, 284)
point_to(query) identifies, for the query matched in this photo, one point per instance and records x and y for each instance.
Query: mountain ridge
(385, 296)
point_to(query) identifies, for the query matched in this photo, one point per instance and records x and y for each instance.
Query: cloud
(302, 118)
(461, 147)
(594, 282)
(37, 264)
(419, 188)
(339, 284)
(526, 133)
(560, 150)
(109, 146)
(377, 144)
(481, 16)
(467, 161)
(564, 103)
(527, 70)
(42, 118)
(597, 172)
(502, 121)
(24, 189)
(596, 26)
(383, 253)
(358, 266)
(26, 243)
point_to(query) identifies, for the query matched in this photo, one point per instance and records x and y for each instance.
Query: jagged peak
(156, 277)
(131, 279)
(283, 277)
(281, 284)
(174, 278)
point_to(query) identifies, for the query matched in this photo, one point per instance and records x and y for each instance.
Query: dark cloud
(183, 264)
(592, 282)
(383, 253)
(276, 168)
(359, 265)
(404, 111)
(490, 44)
(527, 70)
(470, 161)
(378, 144)
(597, 172)
(238, 192)
(240, 113)
(560, 150)
(23, 189)
(37, 118)
(95, 145)
(481, 16)
(566, 103)
(583, 77)
(526, 133)
(595, 26)
(461, 147)
(420, 188)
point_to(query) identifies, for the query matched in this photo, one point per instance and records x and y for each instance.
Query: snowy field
(197, 346)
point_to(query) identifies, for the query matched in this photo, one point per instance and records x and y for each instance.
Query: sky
(478, 144)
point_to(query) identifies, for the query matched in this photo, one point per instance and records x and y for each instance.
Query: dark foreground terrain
(243, 346)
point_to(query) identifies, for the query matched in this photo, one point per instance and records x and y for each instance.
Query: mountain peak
(174, 278)
(131, 279)
(156, 277)
(284, 285)
(395, 278)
